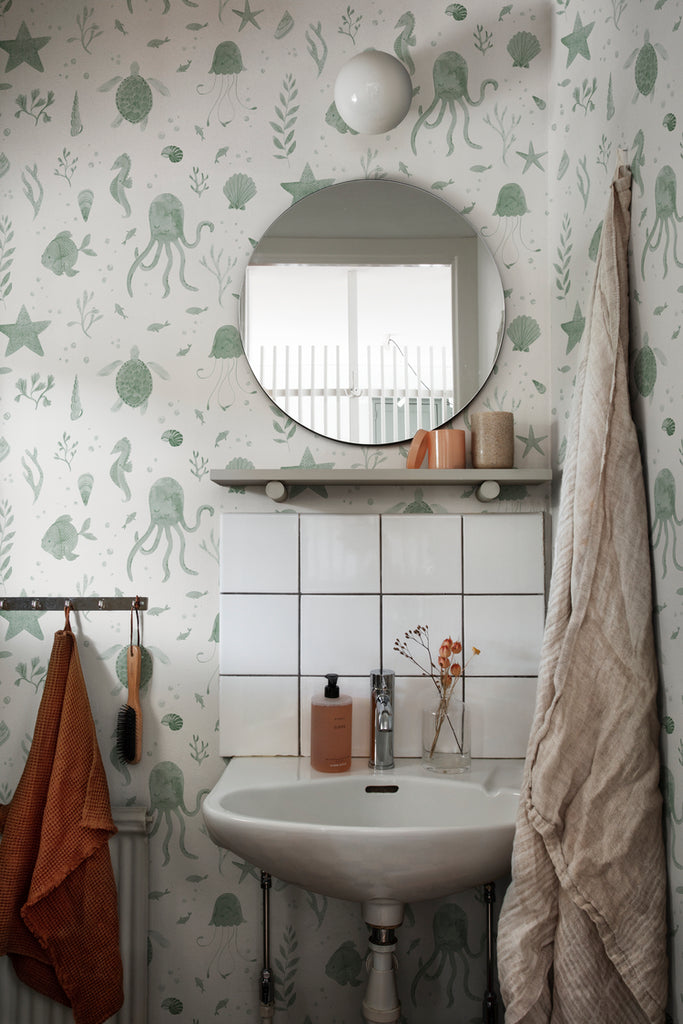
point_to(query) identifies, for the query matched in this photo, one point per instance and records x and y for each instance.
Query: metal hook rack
(75, 604)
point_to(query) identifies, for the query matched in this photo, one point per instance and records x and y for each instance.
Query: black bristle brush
(129, 724)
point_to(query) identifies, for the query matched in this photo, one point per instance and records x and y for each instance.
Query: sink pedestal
(381, 1004)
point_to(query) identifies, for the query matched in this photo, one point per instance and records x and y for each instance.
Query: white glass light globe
(373, 92)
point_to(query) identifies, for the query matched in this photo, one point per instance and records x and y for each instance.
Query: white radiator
(20, 1004)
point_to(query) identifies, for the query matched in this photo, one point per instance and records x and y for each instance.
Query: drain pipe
(490, 1004)
(266, 984)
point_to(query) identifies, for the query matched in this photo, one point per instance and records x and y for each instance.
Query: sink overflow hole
(381, 789)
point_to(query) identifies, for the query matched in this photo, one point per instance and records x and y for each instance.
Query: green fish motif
(345, 965)
(61, 254)
(61, 538)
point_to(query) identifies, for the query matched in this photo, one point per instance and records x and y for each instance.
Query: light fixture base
(373, 92)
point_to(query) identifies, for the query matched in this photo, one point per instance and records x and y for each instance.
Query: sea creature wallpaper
(145, 148)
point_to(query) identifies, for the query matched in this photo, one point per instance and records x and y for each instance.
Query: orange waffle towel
(58, 902)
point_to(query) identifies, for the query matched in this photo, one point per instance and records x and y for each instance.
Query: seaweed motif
(283, 140)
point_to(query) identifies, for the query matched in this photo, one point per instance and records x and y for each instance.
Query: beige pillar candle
(493, 441)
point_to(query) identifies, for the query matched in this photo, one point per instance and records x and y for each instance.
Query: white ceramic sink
(402, 835)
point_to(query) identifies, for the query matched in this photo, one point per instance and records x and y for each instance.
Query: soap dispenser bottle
(331, 729)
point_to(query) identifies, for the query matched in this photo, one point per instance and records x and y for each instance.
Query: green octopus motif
(166, 508)
(167, 230)
(450, 87)
(665, 516)
(449, 928)
(666, 219)
(167, 797)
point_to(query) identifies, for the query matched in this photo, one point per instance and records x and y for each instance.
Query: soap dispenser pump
(331, 728)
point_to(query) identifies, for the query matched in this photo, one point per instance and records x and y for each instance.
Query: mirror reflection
(372, 308)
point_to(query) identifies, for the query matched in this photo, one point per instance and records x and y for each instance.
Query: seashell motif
(523, 47)
(85, 486)
(286, 25)
(457, 12)
(174, 722)
(669, 122)
(669, 426)
(523, 332)
(174, 438)
(85, 201)
(239, 189)
(174, 154)
(4, 164)
(4, 448)
(239, 463)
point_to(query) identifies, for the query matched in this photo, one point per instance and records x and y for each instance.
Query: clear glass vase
(446, 737)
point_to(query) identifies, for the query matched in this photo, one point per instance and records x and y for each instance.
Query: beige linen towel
(58, 902)
(582, 933)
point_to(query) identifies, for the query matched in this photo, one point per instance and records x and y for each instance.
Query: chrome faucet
(382, 720)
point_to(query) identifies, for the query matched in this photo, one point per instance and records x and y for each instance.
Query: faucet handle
(382, 680)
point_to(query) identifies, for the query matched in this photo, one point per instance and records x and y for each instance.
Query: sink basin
(402, 835)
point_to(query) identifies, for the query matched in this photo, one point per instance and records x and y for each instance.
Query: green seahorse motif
(121, 466)
(121, 181)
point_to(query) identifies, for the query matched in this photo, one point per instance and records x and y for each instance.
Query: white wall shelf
(487, 482)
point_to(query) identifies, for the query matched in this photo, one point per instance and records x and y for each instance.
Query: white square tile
(421, 554)
(359, 690)
(442, 614)
(508, 630)
(259, 553)
(503, 553)
(339, 554)
(502, 711)
(259, 634)
(339, 633)
(259, 715)
(411, 695)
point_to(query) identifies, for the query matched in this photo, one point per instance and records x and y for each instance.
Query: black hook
(135, 608)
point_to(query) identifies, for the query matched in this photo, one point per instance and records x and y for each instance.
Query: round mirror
(371, 309)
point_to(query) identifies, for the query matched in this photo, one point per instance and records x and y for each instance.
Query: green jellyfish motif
(510, 208)
(226, 352)
(665, 519)
(449, 928)
(226, 918)
(226, 66)
(666, 219)
(167, 798)
(167, 515)
(167, 231)
(450, 87)
(134, 98)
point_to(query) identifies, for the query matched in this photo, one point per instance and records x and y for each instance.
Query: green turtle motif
(134, 380)
(133, 96)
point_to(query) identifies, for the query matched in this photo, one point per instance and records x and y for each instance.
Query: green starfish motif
(531, 158)
(24, 49)
(531, 442)
(308, 462)
(23, 622)
(247, 15)
(574, 328)
(24, 333)
(577, 40)
(306, 184)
